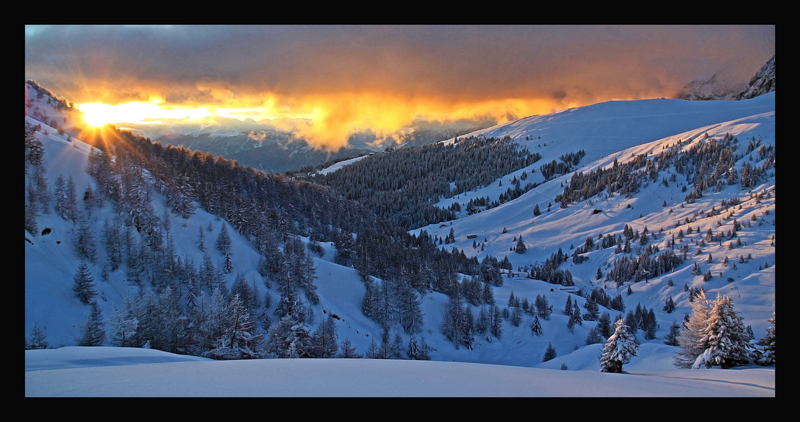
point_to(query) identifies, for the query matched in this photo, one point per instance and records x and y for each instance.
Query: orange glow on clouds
(325, 121)
(333, 119)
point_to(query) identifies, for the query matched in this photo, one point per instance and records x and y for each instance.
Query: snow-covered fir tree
(536, 326)
(725, 337)
(619, 349)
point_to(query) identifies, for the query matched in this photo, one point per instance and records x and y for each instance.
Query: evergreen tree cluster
(403, 184)
(393, 301)
(543, 307)
(566, 164)
(714, 335)
(220, 325)
(181, 306)
(93, 332)
(258, 205)
(705, 165)
(458, 324)
(267, 209)
(550, 272)
(764, 351)
(645, 266)
(642, 319)
(388, 348)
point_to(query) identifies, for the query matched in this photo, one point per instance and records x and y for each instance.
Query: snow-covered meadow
(129, 372)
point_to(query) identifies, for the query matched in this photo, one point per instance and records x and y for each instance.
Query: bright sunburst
(98, 114)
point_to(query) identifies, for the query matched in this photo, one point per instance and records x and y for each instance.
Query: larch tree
(692, 339)
(71, 201)
(42, 190)
(347, 350)
(323, 339)
(201, 240)
(83, 285)
(245, 341)
(123, 324)
(31, 207)
(37, 338)
(409, 307)
(85, 240)
(93, 331)
(60, 195)
(224, 240)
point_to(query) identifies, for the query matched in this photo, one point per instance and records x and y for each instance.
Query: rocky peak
(713, 89)
(762, 83)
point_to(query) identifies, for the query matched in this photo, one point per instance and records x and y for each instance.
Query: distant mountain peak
(762, 83)
(707, 89)
(713, 88)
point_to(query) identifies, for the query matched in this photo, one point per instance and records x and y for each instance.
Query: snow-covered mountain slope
(620, 131)
(606, 132)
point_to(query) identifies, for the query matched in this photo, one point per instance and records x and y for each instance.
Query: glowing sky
(329, 81)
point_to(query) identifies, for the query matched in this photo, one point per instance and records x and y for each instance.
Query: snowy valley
(631, 207)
